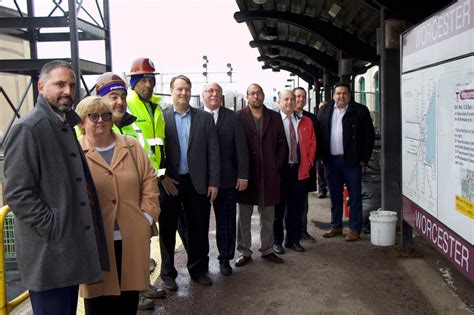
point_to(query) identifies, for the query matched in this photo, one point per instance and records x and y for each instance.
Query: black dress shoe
(322, 193)
(169, 283)
(305, 236)
(273, 258)
(202, 279)
(278, 249)
(242, 261)
(225, 268)
(296, 247)
(153, 292)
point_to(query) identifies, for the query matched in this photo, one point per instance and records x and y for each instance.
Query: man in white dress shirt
(345, 143)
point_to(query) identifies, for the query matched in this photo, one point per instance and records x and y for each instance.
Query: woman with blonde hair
(128, 196)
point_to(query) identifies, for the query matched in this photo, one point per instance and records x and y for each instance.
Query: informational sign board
(437, 93)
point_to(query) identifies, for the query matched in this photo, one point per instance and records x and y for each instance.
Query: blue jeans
(336, 176)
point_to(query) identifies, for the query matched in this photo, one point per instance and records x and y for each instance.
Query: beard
(63, 104)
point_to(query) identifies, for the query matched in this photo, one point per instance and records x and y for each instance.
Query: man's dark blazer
(234, 152)
(312, 172)
(357, 133)
(203, 149)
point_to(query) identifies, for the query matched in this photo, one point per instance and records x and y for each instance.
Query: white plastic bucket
(382, 227)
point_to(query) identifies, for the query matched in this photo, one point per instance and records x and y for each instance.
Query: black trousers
(322, 185)
(126, 303)
(291, 206)
(225, 213)
(192, 211)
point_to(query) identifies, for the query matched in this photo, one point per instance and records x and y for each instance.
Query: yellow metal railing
(6, 307)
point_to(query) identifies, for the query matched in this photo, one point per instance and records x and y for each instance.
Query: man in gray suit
(189, 184)
(59, 234)
(234, 172)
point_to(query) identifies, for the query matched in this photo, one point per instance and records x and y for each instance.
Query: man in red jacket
(267, 153)
(301, 142)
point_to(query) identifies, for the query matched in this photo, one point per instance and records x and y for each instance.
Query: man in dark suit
(189, 184)
(346, 141)
(234, 172)
(300, 94)
(267, 147)
(301, 140)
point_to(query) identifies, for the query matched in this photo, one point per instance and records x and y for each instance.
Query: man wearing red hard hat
(143, 104)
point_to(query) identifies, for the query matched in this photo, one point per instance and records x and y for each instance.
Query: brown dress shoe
(352, 236)
(333, 232)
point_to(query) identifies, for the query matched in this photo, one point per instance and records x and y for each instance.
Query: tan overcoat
(120, 199)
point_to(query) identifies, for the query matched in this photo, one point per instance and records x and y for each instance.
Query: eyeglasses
(255, 94)
(94, 117)
(212, 91)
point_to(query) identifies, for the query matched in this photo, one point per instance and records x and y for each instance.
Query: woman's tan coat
(120, 199)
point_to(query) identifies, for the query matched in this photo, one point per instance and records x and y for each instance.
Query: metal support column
(327, 85)
(391, 121)
(345, 70)
(108, 43)
(74, 44)
(33, 46)
(317, 98)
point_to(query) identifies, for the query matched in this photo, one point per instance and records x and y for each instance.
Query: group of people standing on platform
(86, 200)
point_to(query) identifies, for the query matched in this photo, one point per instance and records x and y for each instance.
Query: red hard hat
(141, 66)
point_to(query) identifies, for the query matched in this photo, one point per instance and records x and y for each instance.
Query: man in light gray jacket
(59, 233)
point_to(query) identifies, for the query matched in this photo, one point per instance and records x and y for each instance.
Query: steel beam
(304, 76)
(34, 22)
(334, 36)
(320, 58)
(311, 70)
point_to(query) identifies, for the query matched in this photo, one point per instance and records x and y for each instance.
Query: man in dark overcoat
(267, 153)
(59, 234)
(234, 172)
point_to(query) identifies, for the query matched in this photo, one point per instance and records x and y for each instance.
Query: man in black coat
(346, 141)
(234, 172)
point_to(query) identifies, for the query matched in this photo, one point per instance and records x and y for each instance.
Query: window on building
(362, 98)
(376, 89)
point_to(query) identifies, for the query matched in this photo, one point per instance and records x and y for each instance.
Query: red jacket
(307, 142)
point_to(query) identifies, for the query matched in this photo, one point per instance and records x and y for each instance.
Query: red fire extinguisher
(346, 201)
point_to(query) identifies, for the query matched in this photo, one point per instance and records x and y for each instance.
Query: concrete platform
(332, 276)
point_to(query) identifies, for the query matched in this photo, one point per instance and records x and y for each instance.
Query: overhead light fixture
(269, 33)
(273, 52)
(334, 10)
(259, 1)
